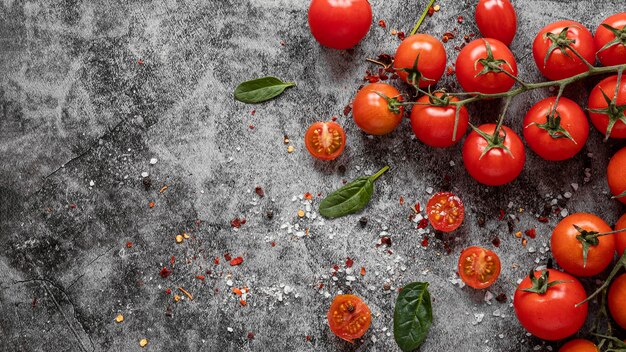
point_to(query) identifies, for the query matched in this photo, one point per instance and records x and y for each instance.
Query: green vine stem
(422, 17)
(619, 265)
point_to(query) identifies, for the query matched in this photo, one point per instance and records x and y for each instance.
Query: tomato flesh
(325, 140)
(479, 267)
(445, 211)
(617, 300)
(616, 174)
(579, 345)
(349, 317)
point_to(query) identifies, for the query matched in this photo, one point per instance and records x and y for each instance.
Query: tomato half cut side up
(479, 267)
(445, 211)
(325, 140)
(349, 317)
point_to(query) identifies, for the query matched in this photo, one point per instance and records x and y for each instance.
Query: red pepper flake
(165, 272)
(259, 191)
(496, 241)
(532, 233)
(422, 224)
(450, 71)
(227, 256)
(151, 205)
(282, 43)
(200, 277)
(216, 261)
(334, 118)
(431, 11)
(349, 262)
(382, 24)
(129, 244)
(273, 244)
(172, 260)
(460, 19)
(308, 337)
(253, 112)
(447, 36)
(335, 267)
(236, 223)
(542, 219)
(250, 336)
(401, 200)
(34, 303)
(251, 127)
(243, 221)
(242, 302)
(236, 261)
(401, 35)
(347, 109)
(425, 241)
(140, 62)
(320, 286)
(501, 215)
(385, 240)
(362, 271)
(417, 207)
(168, 291)
(73, 206)
(308, 196)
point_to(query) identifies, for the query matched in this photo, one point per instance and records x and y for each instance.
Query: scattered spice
(422, 224)
(143, 343)
(501, 298)
(300, 213)
(347, 109)
(236, 261)
(129, 244)
(362, 271)
(186, 235)
(431, 11)
(165, 272)
(531, 233)
(290, 149)
(496, 241)
(216, 261)
(542, 219)
(250, 336)
(163, 189)
(269, 214)
(151, 205)
(349, 262)
(518, 234)
(363, 221)
(460, 19)
(253, 112)
(450, 71)
(524, 242)
(172, 260)
(168, 291)
(401, 35)
(235, 223)
(259, 191)
(385, 240)
(308, 196)
(200, 277)
(237, 291)
(447, 36)
(185, 293)
(425, 241)
(501, 214)
(176, 298)
(401, 200)
(242, 302)
(227, 256)
(140, 62)
(179, 238)
(286, 139)
(119, 318)
(382, 24)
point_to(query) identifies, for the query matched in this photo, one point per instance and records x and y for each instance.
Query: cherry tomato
(620, 237)
(597, 102)
(497, 166)
(339, 24)
(349, 317)
(567, 250)
(325, 140)
(551, 315)
(372, 113)
(617, 300)
(496, 19)
(431, 63)
(434, 125)
(469, 69)
(615, 53)
(445, 211)
(616, 174)
(562, 62)
(540, 127)
(479, 267)
(579, 345)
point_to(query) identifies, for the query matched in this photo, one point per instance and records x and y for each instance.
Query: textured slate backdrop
(76, 106)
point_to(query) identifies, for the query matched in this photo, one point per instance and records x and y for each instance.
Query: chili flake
(151, 205)
(422, 224)
(431, 11)
(227, 256)
(460, 19)
(308, 196)
(200, 277)
(237, 291)
(176, 298)
(140, 62)
(259, 191)
(542, 219)
(129, 244)
(349, 262)
(531, 233)
(401, 35)
(518, 234)
(347, 109)
(362, 271)
(172, 260)
(163, 189)
(216, 261)
(250, 336)
(235, 223)
(168, 291)
(236, 261)
(165, 272)
(401, 200)
(524, 242)
(425, 241)
(382, 24)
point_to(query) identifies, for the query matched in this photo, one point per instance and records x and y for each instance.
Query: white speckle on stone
(429, 190)
(478, 318)
(564, 212)
(229, 329)
(452, 163)
(153, 161)
(497, 313)
(531, 249)
(91, 183)
(229, 282)
(567, 195)
(350, 278)
(488, 297)
(288, 289)
(145, 174)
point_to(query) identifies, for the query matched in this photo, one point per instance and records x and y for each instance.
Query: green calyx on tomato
(394, 103)
(490, 63)
(613, 111)
(589, 238)
(414, 75)
(496, 140)
(620, 37)
(559, 41)
(553, 126)
(540, 285)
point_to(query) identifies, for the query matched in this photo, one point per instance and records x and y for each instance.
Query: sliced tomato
(445, 211)
(349, 317)
(479, 267)
(325, 140)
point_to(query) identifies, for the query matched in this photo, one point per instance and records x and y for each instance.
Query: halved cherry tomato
(434, 125)
(548, 138)
(496, 19)
(579, 345)
(340, 24)
(431, 63)
(470, 67)
(615, 52)
(325, 140)
(562, 62)
(445, 211)
(620, 237)
(617, 300)
(567, 249)
(616, 175)
(373, 113)
(349, 317)
(479, 267)
(598, 112)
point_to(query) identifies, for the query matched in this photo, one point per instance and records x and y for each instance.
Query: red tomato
(562, 62)
(617, 300)
(434, 125)
(620, 238)
(349, 317)
(567, 250)
(496, 19)
(615, 53)
(616, 174)
(445, 211)
(539, 129)
(431, 63)
(469, 66)
(325, 140)
(479, 267)
(339, 24)
(373, 113)
(551, 315)
(601, 119)
(579, 345)
(497, 166)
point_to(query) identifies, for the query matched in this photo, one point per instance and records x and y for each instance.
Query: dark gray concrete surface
(81, 117)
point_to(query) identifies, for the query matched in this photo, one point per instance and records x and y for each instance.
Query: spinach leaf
(412, 316)
(261, 89)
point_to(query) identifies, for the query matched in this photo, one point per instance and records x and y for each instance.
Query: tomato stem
(422, 17)
(375, 176)
(620, 263)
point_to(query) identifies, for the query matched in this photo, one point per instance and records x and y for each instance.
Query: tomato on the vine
(568, 245)
(445, 211)
(610, 40)
(546, 305)
(556, 136)
(620, 237)
(496, 19)
(420, 60)
(325, 140)
(480, 66)
(479, 267)
(349, 317)
(493, 162)
(617, 300)
(579, 345)
(340, 24)
(607, 116)
(434, 124)
(552, 49)
(616, 175)
(375, 114)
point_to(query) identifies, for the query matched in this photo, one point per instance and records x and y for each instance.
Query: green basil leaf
(412, 316)
(261, 89)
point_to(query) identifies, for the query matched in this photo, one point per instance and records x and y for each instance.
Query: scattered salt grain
(153, 161)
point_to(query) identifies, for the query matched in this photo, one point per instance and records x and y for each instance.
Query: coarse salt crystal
(564, 212)
(144, 174)
(429, 190)
(153, 161)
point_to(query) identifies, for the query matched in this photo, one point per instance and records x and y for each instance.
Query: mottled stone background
(90, 92)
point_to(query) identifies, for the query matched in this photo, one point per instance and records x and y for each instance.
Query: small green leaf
(412, 316)
(261, 89)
